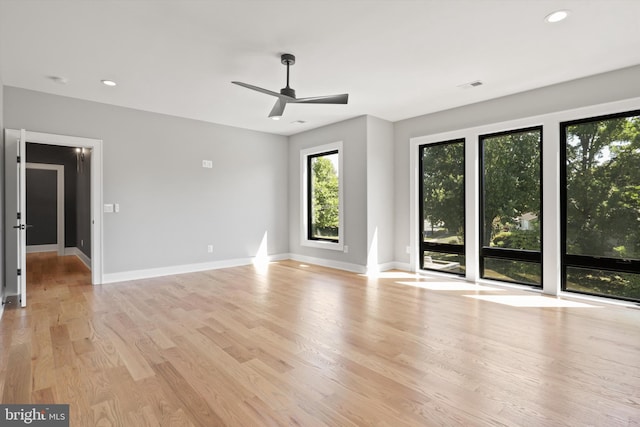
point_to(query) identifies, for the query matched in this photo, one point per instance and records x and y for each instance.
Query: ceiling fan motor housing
(287, 59)
(288, 92)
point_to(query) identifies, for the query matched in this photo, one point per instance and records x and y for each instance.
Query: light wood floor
(311, 346)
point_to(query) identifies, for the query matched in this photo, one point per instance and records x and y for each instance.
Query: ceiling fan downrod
(288, 59)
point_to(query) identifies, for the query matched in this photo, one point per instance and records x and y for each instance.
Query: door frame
(59, 169)
(97, 232)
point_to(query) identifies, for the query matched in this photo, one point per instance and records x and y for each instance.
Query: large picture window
(322, 197)
(442, 207)
(510, 206)
(601, 205)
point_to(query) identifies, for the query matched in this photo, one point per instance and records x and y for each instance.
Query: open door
(21, 226)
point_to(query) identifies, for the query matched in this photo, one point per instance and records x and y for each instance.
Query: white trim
(387, 266)
(338, 265)
(550, 122)
(32, 249)
(404, 266)
(182, 269)
(304, 154)
(81, 255)
(95, 145)
(60, 199)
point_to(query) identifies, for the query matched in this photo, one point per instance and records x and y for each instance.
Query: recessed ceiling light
(298, 122)
(557, 16)
(108, 82)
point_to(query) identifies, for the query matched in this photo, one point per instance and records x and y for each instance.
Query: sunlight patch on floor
(449, 286)
(531, 301)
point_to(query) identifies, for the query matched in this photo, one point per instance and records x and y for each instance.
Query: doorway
(12, 180)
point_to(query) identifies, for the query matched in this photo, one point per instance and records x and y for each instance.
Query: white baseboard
(380, 268)
(237, 262)
(404, 266)
(339, 265)
(182, 269)
(77, 252)
(42, 248)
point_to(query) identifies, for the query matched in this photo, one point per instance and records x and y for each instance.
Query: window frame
(522, 255)
(306, 155)
(441, 247)
(589, 262)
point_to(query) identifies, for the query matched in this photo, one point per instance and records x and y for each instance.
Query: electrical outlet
(210, 249)
(207, 164)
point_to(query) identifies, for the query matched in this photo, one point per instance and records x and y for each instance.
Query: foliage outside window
(602, 205)
(324, 197)
(442, 211)
(511, 206)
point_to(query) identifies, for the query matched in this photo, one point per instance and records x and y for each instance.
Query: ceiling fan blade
(278, 108)
(329, 99)
(258, 89)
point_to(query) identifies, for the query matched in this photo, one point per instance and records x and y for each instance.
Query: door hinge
(19, 216)
(19, 272)
(18, 159)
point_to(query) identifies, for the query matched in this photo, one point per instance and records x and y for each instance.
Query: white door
(21, 226)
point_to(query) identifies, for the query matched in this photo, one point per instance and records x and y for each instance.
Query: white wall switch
(108, 208)
(116, 207)
(207, 164)
(210, 248)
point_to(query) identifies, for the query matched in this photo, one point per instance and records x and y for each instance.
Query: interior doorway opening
(15, 191)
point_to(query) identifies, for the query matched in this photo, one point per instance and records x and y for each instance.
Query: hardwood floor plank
(192, 403)
(17, 384)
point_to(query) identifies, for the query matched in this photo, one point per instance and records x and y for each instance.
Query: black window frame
(433, 246)
(590, 262)
(503, 253)
(309, 160)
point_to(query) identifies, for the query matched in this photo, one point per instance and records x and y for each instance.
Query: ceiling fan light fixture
(557, 16)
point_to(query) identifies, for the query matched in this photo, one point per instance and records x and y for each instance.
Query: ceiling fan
(287, 95)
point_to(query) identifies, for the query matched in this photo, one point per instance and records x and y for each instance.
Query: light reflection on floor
(450, 286)
(531, 301)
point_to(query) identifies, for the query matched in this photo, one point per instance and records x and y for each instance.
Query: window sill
(323, 245)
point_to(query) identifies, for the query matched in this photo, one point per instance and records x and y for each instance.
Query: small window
(322, 197)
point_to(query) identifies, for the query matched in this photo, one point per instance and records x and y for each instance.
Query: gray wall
(170, 207)
(353, 134)
(380, 199)
(598, 89)
(42, 207)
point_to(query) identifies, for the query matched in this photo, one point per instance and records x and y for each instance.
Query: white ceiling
(396, 59)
